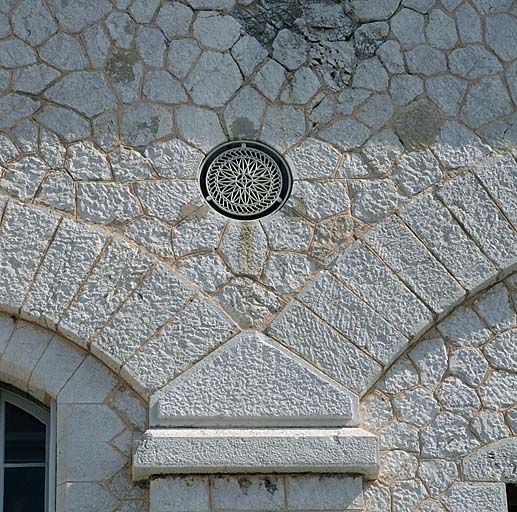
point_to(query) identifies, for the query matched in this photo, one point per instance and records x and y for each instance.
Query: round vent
(245, 180)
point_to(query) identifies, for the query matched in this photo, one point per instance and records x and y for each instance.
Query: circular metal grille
(245, 180)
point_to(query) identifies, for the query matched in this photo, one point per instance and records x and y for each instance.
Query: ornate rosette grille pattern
(245, 180)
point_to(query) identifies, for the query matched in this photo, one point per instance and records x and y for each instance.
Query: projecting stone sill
(190, 451)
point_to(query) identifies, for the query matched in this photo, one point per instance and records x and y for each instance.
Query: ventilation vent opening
(245, 180)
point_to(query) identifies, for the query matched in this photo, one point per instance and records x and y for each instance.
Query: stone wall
(398, 118)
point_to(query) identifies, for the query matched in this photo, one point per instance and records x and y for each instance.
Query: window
(26, 462)
(511, 494)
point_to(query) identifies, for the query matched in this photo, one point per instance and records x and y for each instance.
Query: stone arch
(101, 292)
(95, 415)
(446, 412)
(387, 289)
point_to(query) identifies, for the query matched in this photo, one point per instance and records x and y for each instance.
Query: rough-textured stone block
(161, 295)
(24, 234)
(179, 494)
(325, 492)
(170, 451)
(69, 257)
(253, 381)
(494, 462)
(116, 274)
(481, 218)
(415, 264)
(376, 284)
(476, 498)
(436, 227)
(306, 334)
(330, 300)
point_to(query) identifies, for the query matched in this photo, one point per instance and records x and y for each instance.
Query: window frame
(47, 416)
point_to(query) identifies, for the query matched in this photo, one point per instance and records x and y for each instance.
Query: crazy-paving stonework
(97, 417)
(107, 107)
(446, 413)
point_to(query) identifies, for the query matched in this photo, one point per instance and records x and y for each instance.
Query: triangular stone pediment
(253, 381)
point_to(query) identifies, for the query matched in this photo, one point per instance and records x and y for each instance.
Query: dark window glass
(511, 493)
(25, 437)
(24, 489)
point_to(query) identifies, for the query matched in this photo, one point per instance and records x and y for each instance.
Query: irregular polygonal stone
(57, 190)
(35, 78)
(354, 165)
(469, 365)
(64, 52)
(382, 150)
(114, 276)
(377, 411)
(463, 497)
(391, 56)
(417, 124)
(106, 203)
(214, 79)
(151, 45)
(286, 230)
(174, 159)
(88, 92)
(307, 334)
(370, 74)
(14, 107)
(458, 398)
(211, 394)
(436, 227)
(128, 165)
(473, 61)
(430, 357)
(368, 37)
(354, 319)
(481, 219)
(243, 115)
(408, 27)
(23, 177)
(125, 72)
(405, 88)
(511, 79)
(501, 134)
(85, 162)
(501, 35)
(469, 24)
(447, 92)
(425, 60)
(25, 233)
(166, 199)
(290, 49)
(15, 53)
(416, 171)
(97, 44)
(489, 426)
(25, 135)
(346, 133)
(448, 437)
(377, 285)
(197, 329)
(244, 248)
(464, 328)
(121, 28)
(200, 127)
(207, 271)
(160, 296)
(382, 10)
(75, 15)
(8, 150)
(486, 101)
(457, 146)
(416, 406)
(152, 234)
(495, 309)
(399, 377)
(501, 351)
(142, 123)
(248, 53)
(174, 19)
(397, 466)
(32, 22)
(313, 159)
(377, 498)
(269, 79)
(283, 126)
(376, 111)
(403, 252)
(350, 98)
(248, 303)
(321, 199)
(182, 55)
(406, 495)
(330, 235)
(437, 475)
(441, 30)
(301, 87)
(216, 31)
(400, 436)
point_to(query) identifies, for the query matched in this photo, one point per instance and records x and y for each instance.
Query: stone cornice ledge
(189, 451)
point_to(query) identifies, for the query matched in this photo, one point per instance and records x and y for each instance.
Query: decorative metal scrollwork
(245, 180)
